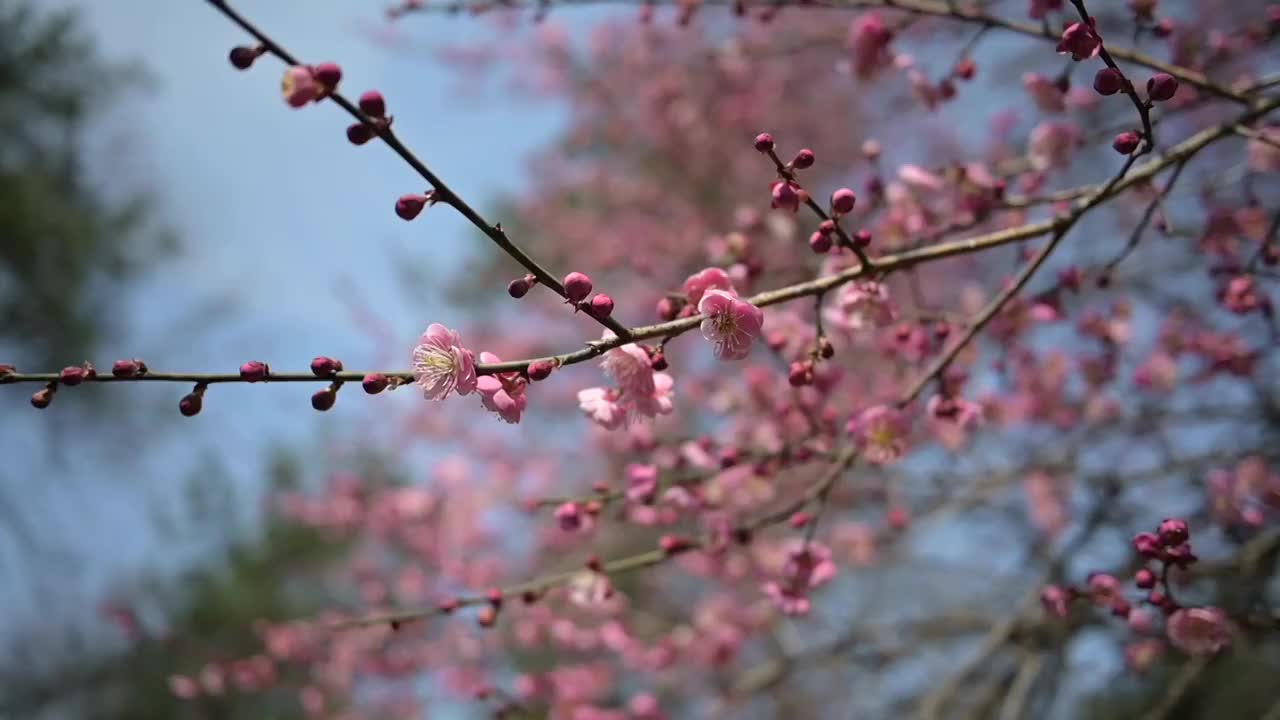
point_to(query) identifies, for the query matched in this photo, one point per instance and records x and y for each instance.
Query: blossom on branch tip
(441, 364)
(730, 323)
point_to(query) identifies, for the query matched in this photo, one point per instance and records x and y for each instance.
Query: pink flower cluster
(441, 365)
(638, 392)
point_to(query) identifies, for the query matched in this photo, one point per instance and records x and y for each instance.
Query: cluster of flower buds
(1194, 630)
(577, 288)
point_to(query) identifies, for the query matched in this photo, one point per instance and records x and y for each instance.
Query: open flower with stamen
(441, 365)
(882, 433)
(731, 323)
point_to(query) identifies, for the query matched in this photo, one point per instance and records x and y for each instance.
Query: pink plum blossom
(881, 432)
(1199, 630)
(730, 323)
(441, 364)
(861, 305)
(502, 394)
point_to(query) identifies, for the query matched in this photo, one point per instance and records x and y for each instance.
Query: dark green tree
(68, 242)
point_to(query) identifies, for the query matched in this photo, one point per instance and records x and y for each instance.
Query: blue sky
(276, 212)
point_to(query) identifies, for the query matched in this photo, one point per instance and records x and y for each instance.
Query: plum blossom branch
(933, 8)
(787, 173)
(1136, 236)
(1177, 154)
(997, 303)
(1125, 85)
(441, 191)
(536, 588)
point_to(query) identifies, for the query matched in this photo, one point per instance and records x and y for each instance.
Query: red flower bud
(242, 57)
(519, 287)
(1108, 81)
(674, 544)
(128, 368)
(541, 369)
(40, 399)
(328, 74)
(601, 306)
(843, 200)
(1161, 87)
(372, 104)
(375, 383)
(324, 399)
(191, 404)
(324, 367)
(72, 376)
(819, 242)
(254, 371)
(764, 142)
(803, 159)
(359, 133)
(576, 287)
(1126, 142)
(409, 206)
